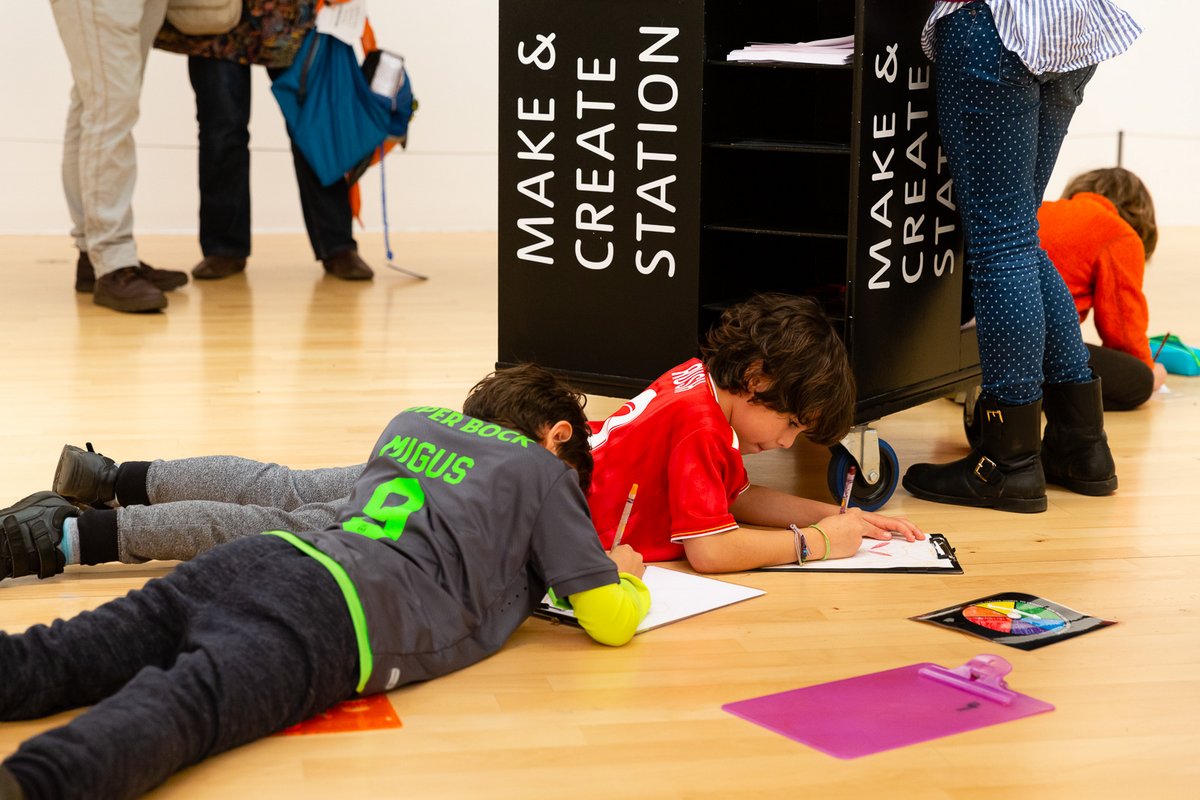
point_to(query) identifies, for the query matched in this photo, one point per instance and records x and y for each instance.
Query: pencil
(624, 517)
(1161, 345)
(846, 492)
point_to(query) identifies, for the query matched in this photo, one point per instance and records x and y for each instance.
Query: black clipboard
(873, 554)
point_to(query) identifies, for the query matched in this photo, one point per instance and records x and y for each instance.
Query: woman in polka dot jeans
(1010, 74)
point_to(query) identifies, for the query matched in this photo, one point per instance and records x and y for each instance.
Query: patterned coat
(269, 33)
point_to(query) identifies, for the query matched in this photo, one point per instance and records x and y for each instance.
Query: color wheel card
(1016, 619)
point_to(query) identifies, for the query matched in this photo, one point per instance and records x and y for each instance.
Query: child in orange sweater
(1099, 236)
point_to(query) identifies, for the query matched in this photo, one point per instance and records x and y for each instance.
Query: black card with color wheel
(1016, 619)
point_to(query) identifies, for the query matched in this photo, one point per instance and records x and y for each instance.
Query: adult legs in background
(223, 112)
(1065, 358)
(326, 210)
(222, 91)
(995, 128)
(1002, 127)
(1075, 452)
(327, 218)
(244, 642)
(107, 42)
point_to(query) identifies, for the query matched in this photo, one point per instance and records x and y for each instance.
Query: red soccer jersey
(674, 442)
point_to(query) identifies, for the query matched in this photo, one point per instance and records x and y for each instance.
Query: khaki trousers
(107, 43)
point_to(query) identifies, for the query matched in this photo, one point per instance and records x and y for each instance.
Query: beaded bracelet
(801, 544)
(817, 528)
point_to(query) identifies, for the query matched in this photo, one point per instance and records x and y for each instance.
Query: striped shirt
(1051, 35)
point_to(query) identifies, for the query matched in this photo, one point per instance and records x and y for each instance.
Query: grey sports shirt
(449, 540)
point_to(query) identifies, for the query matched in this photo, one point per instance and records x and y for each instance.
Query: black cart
(646, 182)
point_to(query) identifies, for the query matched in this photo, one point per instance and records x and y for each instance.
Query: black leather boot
(971, 412)
(1075, 448)
(1004, 472)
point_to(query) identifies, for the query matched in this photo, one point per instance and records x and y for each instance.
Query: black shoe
(126, 289)
(164, 279)
(30, 532)
(1004, 472)
(213, 268)
(1075, 450)
(86, 477)
(348, 266)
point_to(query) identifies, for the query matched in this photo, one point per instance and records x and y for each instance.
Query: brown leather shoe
(164, 279)
(347, 266)
(127, 289)
(216, 267)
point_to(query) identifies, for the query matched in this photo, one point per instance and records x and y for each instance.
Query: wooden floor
(285, 364)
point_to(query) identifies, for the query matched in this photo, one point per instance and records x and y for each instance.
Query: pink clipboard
(898, 707)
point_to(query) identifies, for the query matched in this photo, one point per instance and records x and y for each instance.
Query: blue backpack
(333, 116)
(392, 88)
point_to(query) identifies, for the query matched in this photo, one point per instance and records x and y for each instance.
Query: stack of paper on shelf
(821, 51)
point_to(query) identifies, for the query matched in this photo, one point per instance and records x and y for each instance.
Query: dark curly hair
(1127, 193)
(787, 340)
(530, 399)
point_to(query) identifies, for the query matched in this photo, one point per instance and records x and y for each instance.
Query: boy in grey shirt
(454, 531)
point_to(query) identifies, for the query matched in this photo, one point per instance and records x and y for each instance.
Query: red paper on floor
(361, 714)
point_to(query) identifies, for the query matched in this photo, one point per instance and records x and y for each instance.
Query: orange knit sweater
(1102, 261)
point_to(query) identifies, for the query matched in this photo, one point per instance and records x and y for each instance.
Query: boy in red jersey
(772, 369)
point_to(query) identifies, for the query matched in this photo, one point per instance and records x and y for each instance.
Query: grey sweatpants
(199, 503)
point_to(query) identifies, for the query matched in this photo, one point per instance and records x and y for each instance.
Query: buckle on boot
(985, 469)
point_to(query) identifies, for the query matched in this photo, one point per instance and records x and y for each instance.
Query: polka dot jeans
(1002, 127)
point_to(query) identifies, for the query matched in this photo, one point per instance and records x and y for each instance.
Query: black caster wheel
(867, 496)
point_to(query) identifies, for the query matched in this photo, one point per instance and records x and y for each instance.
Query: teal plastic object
(1177, 357)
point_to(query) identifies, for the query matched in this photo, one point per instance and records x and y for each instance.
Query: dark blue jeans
(245, 640)
(1002, 127)
(223, 111)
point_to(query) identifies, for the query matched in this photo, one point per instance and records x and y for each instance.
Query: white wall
(447, 178)
(1149, 92)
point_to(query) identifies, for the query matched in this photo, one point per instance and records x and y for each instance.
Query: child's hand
(1160, 376)
(885, 527)
(845, 532)
(627, 560)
